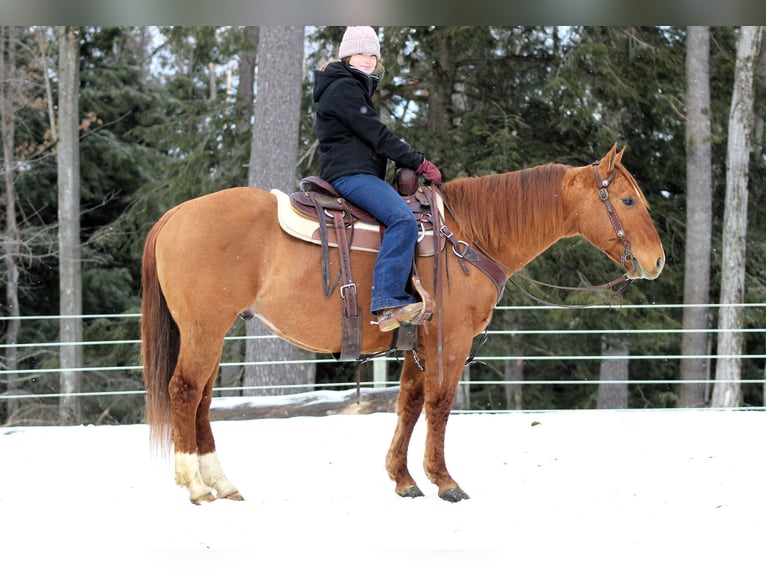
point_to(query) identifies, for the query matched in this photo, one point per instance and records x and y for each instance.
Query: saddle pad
(366, 236)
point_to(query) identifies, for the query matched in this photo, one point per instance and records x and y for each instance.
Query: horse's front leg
(439, 396)
(409, 407)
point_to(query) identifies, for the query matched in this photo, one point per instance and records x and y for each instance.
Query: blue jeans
(397, 249)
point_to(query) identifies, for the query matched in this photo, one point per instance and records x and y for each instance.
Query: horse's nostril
(659, 263)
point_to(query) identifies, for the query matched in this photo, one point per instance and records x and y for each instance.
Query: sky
(558, 491)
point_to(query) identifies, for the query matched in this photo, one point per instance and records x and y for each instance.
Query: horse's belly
(292, 305)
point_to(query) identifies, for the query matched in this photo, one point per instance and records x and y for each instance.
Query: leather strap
(603, 192)
(479, 259)
(352, 319)
(328, 289)
(436, 219)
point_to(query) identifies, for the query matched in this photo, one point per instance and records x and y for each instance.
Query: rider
(354, 146)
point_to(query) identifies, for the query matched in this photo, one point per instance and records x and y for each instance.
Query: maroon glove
(430, 172)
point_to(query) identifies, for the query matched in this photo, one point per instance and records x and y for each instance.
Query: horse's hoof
(411, 492)
(207, 497)
(454, 495)
(233, 496)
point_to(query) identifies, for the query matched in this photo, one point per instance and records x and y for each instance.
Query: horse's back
(217, 216)
(226, 202)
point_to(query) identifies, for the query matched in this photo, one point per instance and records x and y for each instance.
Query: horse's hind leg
(196, 463)
(409, 407)
(185, 397)
(209, 465)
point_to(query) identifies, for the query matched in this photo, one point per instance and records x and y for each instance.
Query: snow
(558, 491)
(309, 397)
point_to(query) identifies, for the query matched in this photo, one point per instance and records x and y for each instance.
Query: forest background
(159, 115)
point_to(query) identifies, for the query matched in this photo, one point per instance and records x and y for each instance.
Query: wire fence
(37, 372)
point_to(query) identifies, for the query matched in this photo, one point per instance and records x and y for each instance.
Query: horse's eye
(629, 202)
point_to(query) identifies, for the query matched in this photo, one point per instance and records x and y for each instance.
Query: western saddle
(340, 223)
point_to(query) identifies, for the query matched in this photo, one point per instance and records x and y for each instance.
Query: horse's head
(613, 215)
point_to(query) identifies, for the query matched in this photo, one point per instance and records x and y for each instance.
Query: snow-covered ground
(580, 491)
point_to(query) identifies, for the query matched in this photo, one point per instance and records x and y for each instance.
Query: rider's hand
(430, 172)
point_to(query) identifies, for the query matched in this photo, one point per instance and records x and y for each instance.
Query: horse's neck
(518, 225)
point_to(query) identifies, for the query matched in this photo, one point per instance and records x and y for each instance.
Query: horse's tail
(160, 342)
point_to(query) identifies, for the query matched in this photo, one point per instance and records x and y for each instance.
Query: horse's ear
(610, 159)
(618, 157)
(607, 163)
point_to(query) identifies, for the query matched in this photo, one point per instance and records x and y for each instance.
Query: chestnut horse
(211, 258)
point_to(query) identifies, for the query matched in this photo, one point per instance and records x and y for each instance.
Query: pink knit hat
(359, 40)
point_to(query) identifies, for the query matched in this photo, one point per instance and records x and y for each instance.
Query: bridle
(603, 192)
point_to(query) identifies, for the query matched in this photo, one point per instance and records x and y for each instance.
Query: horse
(210, 259)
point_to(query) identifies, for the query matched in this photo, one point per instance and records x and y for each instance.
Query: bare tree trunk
(273, 160)
(439, 98)
(11, 240)
(462, 400)
(45, 46)
(514, 368)
(212, 82)
(70, 277)
(613, 395)
(758, 121)
(246, 84)
(727, 389)
(699, 220)
(514, 371)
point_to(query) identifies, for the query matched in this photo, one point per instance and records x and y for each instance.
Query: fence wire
(30, 375)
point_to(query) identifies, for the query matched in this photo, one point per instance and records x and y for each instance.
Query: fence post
(379, 365)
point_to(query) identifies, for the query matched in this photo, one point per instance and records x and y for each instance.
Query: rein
(623, 279)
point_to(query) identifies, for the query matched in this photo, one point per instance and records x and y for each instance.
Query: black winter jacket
(352, 139)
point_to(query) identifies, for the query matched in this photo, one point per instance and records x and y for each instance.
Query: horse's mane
(518, 207)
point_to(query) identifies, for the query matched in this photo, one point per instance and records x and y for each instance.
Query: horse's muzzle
(640, 272)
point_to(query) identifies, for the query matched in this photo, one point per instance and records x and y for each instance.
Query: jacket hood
(336, 69)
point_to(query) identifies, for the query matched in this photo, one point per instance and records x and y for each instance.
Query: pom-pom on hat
(359, 40)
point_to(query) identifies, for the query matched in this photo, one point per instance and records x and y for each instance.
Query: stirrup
(425, 296)
(412, 314)
(390, 319)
